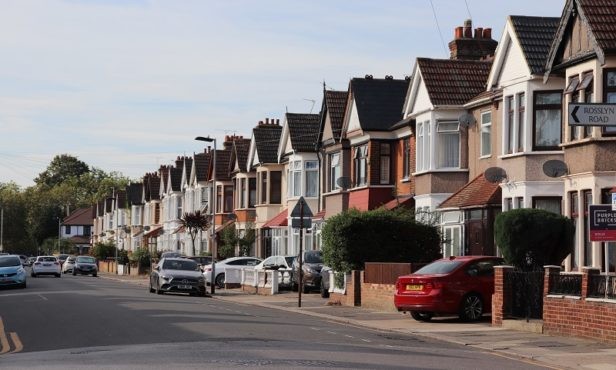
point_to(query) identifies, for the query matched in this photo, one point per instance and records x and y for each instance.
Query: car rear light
(37, 263)
(434, 285)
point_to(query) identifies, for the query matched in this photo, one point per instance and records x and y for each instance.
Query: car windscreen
(289, 260)
(47, 259)
(439, 267)
(9, 261)
(85, 260)
(181, 265)
(313, 257)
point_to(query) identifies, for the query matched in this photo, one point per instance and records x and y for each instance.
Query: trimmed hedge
(352, 238)
(532, 238)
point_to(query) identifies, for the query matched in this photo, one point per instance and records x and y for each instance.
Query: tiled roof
(240, 153)
(176, 178)
(601, 18)
(134, 192)
(493, 94)
(202, 164)
(267, 139)
(223, 157)
(379, 102)
(478, 192)
(453, 82)
(188, 166)
(278, 220)
(335, 102)
(151, 183)
(319, 215)
(81, 216)
(121, 196)
(535, 35)
(303, 131)
(77, 239)
(164, 176)
(406, 201)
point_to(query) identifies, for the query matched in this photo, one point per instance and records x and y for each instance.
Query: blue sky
(126, 85)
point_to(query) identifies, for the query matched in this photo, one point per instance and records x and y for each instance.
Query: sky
(126, 85)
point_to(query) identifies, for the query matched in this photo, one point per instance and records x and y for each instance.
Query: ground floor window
(551, 204)
(452, 243)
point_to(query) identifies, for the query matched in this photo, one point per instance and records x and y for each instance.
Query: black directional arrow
(575, 109)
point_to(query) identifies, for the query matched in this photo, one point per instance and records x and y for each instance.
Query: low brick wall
(352, 297)
(377, 296)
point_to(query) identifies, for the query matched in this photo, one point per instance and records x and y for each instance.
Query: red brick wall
(378, 296)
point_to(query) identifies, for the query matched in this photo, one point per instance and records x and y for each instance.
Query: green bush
(532, 238)
(103, 251)
(141, 257)
(122, 257)
(352, 238)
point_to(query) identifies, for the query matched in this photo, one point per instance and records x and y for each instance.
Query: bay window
(448, 144)
(361, 165)
(609, 91)
(406, 158)
(252, 192)
(312, 178)
(486, 133)
(263, 192)
(547, 120)
(385, 162)
(334, 171)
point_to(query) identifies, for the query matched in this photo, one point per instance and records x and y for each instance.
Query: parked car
(23, 258)
(282, 264)
(324, 286)
(46, 265)
(177, 275)
(68, 265)
(312, 263)
(85, 265)
(61, 258)
(456, 285)
(222, 265)
(201, 260)
(171, 255)
(12, 272)
(30, 261)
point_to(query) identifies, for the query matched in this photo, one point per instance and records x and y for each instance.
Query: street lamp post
(213, 209)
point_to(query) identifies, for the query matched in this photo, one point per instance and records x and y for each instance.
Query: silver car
(179, 275)
(85, 265)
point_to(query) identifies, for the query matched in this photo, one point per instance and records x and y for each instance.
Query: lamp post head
(202, 138)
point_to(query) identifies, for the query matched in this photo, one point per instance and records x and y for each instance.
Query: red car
(456, 285)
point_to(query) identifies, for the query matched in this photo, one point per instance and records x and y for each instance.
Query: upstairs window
(252, 192)
(180, 208)
(573, 97)
(521, 111)
(312, 178)
(609, 91)
(228, 199)
(509, 108)
(361, 165)
(486, 133)
(242, 193)
(276, 187)
(448, 144)
(385, 162)
(263, 183)
(420, 147)
(406, 158)
(334, 171)
(547, 122)
(295, 179)
(587, 87)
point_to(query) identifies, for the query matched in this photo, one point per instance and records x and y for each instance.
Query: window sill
(487, 156)
(440, 170)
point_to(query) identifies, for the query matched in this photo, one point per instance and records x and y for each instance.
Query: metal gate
(524, 294)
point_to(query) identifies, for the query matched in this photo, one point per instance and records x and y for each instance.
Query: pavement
(555, 352)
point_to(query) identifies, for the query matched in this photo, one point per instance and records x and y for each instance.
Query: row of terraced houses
(461, 140)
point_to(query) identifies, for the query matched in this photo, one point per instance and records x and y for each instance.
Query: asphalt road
(82, 322)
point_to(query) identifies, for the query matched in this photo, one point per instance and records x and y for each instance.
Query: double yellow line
(5, 345)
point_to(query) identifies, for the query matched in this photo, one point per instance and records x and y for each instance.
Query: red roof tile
(402, 201)
(279, 220)
(478, 192)
(82, 216)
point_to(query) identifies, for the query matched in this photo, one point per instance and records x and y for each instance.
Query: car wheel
(33, 275)
(306, 289)
(472, 308)
(294, 287)
(74, 273)
(158, 291)
(94, 274)
(220, 281)
(422, 316)
(202, 293)
(58, 275)
(23, 285)
(324, 292)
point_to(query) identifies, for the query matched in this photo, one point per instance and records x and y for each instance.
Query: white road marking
(43, 297)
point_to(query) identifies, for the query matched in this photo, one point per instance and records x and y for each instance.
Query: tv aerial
(466, 119)
(344, 182)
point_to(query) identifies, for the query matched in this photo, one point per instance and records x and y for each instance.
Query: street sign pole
(300, 283)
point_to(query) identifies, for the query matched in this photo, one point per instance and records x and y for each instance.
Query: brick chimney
(469, 46)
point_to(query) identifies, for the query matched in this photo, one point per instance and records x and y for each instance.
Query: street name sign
(601, 223)
(592, 114)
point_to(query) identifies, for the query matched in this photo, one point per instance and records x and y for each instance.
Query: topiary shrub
(352, 238)
(532, 238)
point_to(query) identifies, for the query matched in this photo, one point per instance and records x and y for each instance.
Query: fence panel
(602, 286)
(566, 284)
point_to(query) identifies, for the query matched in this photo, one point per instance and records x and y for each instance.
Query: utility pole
(1, 229)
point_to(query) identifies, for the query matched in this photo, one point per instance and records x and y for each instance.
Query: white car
(68, 265)
(46, 265)
(221, 266)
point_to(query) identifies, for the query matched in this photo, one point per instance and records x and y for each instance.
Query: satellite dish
(495, 174)
(466, 119)
(344, 182)
(555, 168)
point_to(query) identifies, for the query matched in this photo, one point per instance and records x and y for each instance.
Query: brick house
(77, 228)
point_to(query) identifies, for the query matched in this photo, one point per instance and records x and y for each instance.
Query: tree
(228, 240)
(194, 222)
(532, 238)
(103, 250)
(352, 238)
(247, 240)
(61, 168)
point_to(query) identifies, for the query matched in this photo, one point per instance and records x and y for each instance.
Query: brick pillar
(356, 279)
(498, 298)
(549, 270)
(586, 273)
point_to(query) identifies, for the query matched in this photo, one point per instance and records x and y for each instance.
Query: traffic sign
(592, 114)
(296, 223)
(602, 223)
(613, 201)
(301, 209)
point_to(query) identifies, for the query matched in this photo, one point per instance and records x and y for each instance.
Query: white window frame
(446, 129)
(486, 134)
(385, 163)
(311, 179)
(334, 171)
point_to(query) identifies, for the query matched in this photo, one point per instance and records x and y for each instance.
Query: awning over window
(179, 229)
(477, 193)
(319, 215)
(278, 221)
(219, 228)
(402, 201)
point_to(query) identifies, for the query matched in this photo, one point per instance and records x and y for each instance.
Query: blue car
(12, 272)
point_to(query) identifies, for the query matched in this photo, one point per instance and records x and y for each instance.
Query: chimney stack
(466, 46)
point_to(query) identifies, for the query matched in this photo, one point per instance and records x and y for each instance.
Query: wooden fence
(388, 272)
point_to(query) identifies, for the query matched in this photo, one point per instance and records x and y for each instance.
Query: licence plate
(46, 264)
(184, 287)
(414, 287)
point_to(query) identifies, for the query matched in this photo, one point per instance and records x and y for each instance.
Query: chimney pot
(458, 33)
(278, 121)
(267, 121)
(487, 33)
(478, 32)
(468, 28)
